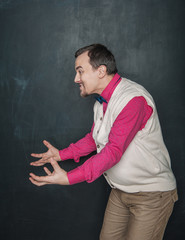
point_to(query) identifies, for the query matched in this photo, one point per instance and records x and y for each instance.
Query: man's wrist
(75, 176)
(64, 179)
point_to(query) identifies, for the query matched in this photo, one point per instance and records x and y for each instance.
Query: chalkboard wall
(39, 100)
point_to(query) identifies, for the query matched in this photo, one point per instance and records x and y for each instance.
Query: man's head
(95, 66)
(99, 55)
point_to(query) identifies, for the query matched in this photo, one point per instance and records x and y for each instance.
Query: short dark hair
(99, 55)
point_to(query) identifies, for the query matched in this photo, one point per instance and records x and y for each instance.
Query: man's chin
(82, 94)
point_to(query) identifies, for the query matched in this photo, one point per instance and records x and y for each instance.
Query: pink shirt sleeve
(131, 119)
(81, 148)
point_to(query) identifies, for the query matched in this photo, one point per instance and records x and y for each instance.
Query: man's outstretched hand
(52, 153)
(58, 176)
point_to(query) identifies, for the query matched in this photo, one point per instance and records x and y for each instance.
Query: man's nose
(77, 78)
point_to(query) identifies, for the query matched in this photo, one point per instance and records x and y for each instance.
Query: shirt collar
(107, 92)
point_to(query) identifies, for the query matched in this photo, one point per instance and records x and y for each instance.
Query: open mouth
(80, 85)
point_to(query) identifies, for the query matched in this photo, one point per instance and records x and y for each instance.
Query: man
(130, 151)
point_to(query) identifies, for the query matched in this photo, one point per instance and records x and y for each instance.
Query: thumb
(55, 165)
(47, 144)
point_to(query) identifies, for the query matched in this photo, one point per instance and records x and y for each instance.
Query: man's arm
(81, 148)
(131, 119)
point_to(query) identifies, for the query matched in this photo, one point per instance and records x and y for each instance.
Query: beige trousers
(137, 216)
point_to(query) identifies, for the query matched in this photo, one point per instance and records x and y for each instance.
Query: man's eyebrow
(78, 67)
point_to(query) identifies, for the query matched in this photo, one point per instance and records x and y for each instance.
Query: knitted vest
(145, 165)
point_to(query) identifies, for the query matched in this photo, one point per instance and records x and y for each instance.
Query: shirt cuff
(75, 176)
(65, 154)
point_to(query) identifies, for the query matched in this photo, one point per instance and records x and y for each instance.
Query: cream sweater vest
(145, 165)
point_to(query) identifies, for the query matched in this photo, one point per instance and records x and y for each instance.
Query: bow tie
(100, 99)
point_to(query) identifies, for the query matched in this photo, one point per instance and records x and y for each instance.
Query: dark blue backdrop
(39, 100)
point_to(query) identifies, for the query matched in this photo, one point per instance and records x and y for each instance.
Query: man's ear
(102, 71)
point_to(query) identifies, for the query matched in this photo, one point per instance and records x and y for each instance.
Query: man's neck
(104, 82)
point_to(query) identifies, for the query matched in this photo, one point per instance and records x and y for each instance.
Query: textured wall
(39, 100)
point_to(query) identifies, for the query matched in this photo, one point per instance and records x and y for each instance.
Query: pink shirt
(131, 119)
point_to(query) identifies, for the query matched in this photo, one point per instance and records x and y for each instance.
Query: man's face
(86, 76)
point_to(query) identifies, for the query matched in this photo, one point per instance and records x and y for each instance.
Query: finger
(47, 171)
(47, 144)
(37, 183)
(39, 178)
(38, 163)
(37, 155)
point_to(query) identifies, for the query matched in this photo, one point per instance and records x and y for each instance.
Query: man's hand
(58, 176)
(52, 153)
